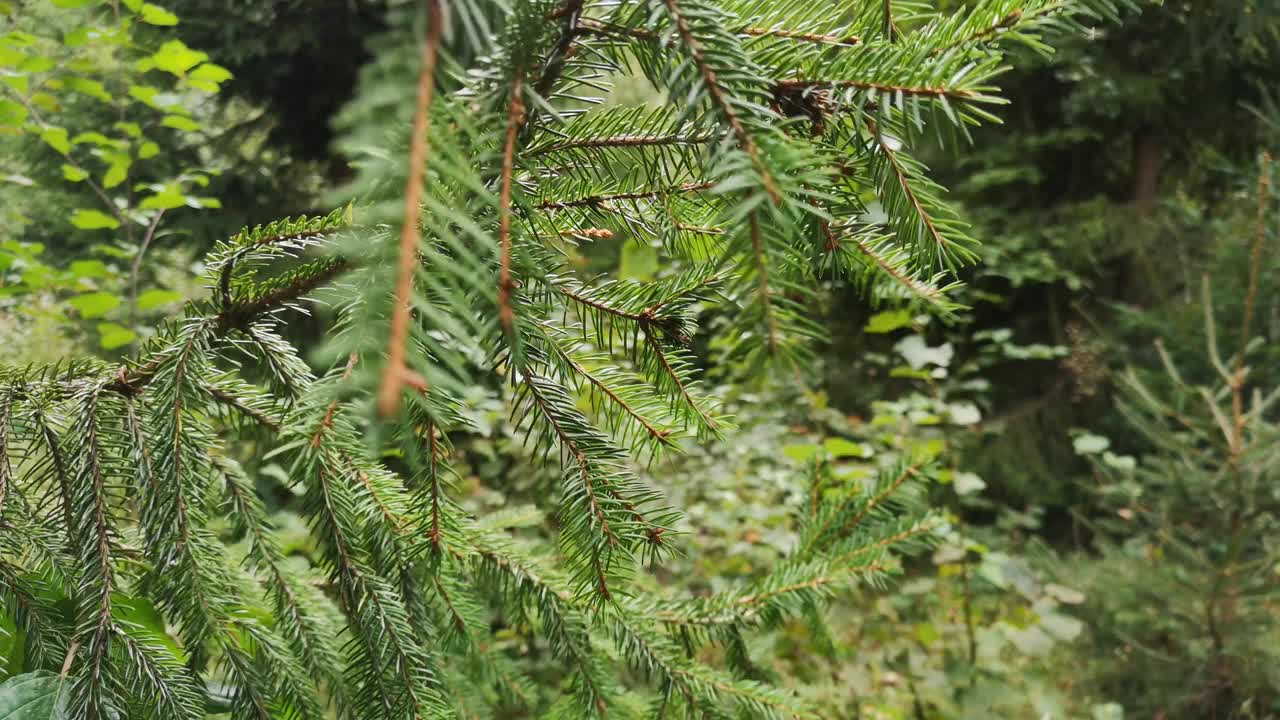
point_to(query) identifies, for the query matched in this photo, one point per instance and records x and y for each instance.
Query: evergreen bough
(779, 161)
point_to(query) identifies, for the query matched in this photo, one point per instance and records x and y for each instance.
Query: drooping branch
(579, 456)
(925, 291)
(904, 181)
(665, 364)
(396, 368)
(515, 120)
(661, 435)
(762, 277)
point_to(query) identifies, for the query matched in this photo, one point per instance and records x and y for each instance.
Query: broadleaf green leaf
(95, 304)
(93, 220)
(178, 122)
(12, 113)
(56, 138)
(167, 199)
(89, 269)
(155, 298)
(112, 336)
(887, 322)
(156, 15)
(33, 696)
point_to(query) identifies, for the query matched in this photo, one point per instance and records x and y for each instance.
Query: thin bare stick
(393, 377)
(134, 271)
(515, 120)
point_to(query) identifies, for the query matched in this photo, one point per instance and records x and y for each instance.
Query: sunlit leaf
(56, 138)
(156, 15)
(887, 322)
(12, 113)
(167, 199)
(1090, 444)
(152, 299)
(93, 220)
(176, 58)
(841, 448)
(112, 336)
(178, 122)
(89, 269)
(95, 304)
(116, 174)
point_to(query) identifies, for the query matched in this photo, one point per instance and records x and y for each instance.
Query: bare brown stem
(515, 120)
(395, 372)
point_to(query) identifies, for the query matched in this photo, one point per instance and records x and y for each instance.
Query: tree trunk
(1147, 159)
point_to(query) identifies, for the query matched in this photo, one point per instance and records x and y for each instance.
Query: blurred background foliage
(1111, 550)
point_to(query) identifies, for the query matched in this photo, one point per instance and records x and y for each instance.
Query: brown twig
(598, 27)
(135, 269)
(816, 38)
(600, 200)
(563, 49)
(515, 120)
(917, 90)
(617, 141)
(393, 377)
(890, 29)
(329, 412)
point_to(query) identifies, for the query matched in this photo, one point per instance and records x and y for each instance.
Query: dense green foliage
(645, 369)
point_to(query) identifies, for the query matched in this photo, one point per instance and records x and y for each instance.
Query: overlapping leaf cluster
(781, 160)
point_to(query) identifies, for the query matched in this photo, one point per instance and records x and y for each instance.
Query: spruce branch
(720, 99)
(933, 227)
(817, 38)
(603, 200)
(762, 278)
(926, 91)
(836, 522)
